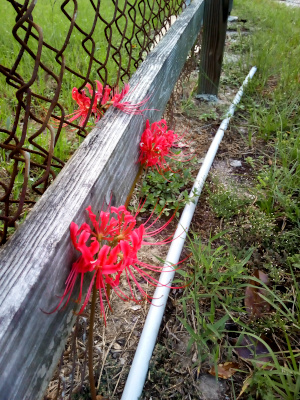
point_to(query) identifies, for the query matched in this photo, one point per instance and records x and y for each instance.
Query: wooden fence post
(214, 33)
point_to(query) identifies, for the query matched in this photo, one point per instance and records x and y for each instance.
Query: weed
(214, 270)
(50, 16)
(279, 183)
(208, 116)
(191, 109)
(216, 293)
(166, 192)
(225, 202)
(263, 218)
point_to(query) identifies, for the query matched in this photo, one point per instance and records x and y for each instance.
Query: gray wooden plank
(36, 260)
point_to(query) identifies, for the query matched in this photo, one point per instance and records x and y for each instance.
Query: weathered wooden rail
(37, 259)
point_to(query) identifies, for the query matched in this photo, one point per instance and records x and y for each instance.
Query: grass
(213, 273)
(55, 27)
(260, 229)
(218, 278)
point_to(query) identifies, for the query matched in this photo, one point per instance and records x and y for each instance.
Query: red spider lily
(119, 96)
(132, 266)
(98, 93)
(84, 103)
(125, 225)
(103, 227)
(109, 228)
(128, 249)
(112, 250)
(103, 99)
(113, 98)
(80, 244)
(84, 262)
(107, 269)
(155, 146)
(128, 107)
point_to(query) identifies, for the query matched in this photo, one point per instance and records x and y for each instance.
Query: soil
(173, 371)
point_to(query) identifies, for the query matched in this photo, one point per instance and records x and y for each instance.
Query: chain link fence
(47, 48)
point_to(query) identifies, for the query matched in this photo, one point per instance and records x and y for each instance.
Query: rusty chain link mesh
(47, 48)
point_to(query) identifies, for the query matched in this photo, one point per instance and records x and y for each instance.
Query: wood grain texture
(213, 42)
(37, 259)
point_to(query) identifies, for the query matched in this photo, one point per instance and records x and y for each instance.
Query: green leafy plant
(168, 191)
(219, 284)
(208, 115)
(281, 375)
(212, 276)
(279, 183)
(266, 218)
(225, 202)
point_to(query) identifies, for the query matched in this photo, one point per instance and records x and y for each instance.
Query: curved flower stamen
(103, 100)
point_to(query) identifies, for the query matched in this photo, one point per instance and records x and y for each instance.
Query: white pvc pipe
(138, 372)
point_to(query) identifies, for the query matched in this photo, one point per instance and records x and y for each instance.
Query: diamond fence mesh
(47, 48)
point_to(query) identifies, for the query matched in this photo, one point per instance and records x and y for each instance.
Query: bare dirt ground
(172, 374)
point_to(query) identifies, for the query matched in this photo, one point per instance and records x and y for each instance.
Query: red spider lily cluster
(107, 251)
(103, 99)
(155, 146)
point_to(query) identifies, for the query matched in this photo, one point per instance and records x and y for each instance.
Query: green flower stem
(91, 342)
(140, 171)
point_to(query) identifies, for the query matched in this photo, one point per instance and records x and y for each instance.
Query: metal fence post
(214, 33)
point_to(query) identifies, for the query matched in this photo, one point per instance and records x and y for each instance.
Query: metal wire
(29, 157)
